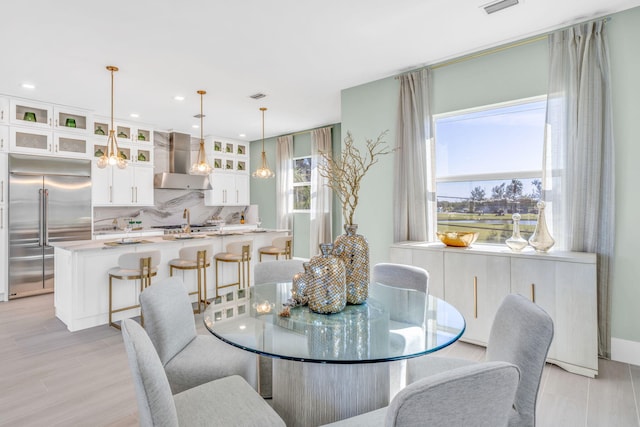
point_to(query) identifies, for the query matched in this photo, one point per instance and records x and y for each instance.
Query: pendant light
(113, 156)
(263, 172)
(201, 167)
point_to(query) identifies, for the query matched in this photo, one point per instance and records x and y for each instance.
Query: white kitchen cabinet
(71, 120)
(228, 189)
(4, 138)
(31, 113)
(476, 280)
(4, 110)
(476, 285)
(131, 186)
(30, 140)
(71, 145)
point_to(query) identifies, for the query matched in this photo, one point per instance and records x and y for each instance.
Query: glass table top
(392, 324)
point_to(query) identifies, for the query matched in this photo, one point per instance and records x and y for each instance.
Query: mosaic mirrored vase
(327, 288)
(516, 243)
(541, 239)
(355, 255)
(299, 287)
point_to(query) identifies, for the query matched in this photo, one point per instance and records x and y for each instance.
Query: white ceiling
(301, 54)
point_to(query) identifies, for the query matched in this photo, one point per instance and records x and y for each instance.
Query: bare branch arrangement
(345, 174)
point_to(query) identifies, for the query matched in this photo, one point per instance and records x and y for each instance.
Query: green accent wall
(511, 74)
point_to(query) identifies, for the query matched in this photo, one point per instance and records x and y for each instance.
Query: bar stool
(279, 246)
(195, 258)
(133, 266)
(240, 253)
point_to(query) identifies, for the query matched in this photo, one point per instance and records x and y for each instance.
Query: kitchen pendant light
(113, 156)
(263, 172)
(201, 167)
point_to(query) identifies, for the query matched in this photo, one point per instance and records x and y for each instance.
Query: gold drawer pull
(475, 297)
(533, 293)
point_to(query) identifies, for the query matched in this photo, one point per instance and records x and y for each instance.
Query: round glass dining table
(328, 367)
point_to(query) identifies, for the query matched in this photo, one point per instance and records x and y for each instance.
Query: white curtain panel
(414, 201)
(578, 175)
(284, 182)
(321, 194)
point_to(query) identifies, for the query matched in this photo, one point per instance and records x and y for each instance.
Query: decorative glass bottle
(299, 287)
(541, 239)
(516, 242)
(355, 255)
(327, 287)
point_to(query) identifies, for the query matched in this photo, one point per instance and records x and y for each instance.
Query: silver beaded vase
(355, 255)
(299, 291)
(327, 288)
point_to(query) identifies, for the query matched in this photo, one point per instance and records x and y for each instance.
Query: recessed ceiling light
(134, 115)
(28, 86)
(242, 135)
(195, 126)
(257, 95)
(178, 98)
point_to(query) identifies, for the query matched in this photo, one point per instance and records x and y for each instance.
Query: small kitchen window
(302, 184)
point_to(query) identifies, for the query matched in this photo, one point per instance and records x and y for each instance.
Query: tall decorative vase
(299, 287)
(327, 288)
(541, 239)
(355, 255)
(516, 242)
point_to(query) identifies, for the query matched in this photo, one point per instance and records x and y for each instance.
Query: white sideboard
(476, 280)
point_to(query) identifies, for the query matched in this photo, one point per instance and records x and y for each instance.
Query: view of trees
(506, 197)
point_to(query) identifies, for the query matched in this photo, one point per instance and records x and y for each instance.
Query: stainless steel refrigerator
(49, 202)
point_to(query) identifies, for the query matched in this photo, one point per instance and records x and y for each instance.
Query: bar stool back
(240, 253)
(195, 258)
(279, 246)
(133, 266)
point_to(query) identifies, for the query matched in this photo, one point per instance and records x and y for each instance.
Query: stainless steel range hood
(178, 177)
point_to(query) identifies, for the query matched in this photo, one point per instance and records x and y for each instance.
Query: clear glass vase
(355, 255)
(541, 239)
(516, 243)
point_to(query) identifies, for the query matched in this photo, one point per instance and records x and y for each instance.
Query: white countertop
(86, 245)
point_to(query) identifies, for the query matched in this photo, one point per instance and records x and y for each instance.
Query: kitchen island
(81, 295)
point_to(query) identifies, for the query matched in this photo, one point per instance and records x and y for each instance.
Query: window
(489, 166)
(302, 184)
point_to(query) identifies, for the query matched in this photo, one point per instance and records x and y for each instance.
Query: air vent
(257, 96)
(498, 6)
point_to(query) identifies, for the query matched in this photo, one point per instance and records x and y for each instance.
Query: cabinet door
(476, 285)
(71, 120)
(31, 113)
(4, 179)
(4, 138)
(30, 140)
(142, 156)
(222, 186)
(242, 189)
(123, 187)
(4, 110)
(70, 145)
(143, 177)
(101, 185)
(536, 280)
(4, 253)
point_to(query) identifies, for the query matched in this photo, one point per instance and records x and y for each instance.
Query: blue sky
(498, 140)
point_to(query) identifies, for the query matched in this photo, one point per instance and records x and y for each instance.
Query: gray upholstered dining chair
(270, 272)
(475, 395)
(521, 334)
(228, 401)
(276, 271)
(402, 276)
(189, 359)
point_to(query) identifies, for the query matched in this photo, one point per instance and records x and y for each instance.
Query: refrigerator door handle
(40, 216)
(45, 217)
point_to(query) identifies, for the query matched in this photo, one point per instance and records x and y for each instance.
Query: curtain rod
(305, 131)
(497, 49)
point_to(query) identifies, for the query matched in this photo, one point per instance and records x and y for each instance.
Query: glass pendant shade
(263, 172)
(113, 156)
(201, 167)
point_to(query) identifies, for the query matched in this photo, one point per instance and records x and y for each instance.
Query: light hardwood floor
(52, 377)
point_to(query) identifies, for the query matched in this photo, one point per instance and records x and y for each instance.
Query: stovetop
(172, 229)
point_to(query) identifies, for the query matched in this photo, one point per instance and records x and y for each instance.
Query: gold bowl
(460, 239)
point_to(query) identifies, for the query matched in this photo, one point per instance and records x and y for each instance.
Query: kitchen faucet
(186, 214)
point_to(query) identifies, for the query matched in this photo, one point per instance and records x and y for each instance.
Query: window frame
(300, 184)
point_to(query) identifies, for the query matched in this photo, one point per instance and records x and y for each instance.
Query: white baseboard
(625, 351)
